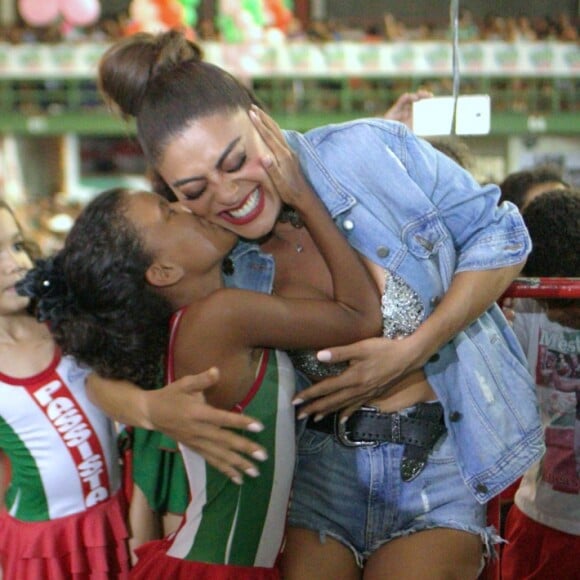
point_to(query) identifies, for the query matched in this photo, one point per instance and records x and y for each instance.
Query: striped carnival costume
(65, 515)
(234, 532)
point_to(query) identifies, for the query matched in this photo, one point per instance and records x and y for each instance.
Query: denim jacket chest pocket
(425, 237)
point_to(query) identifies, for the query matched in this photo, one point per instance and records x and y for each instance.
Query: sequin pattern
(402, 312)
(306, 361)
(401, 307)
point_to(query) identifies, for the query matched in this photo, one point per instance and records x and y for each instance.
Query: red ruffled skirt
(154, 562)
(91, 544)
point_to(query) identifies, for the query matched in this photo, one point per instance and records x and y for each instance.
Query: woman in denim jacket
(449, 416)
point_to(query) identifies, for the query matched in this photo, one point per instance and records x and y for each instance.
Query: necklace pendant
(299, 248)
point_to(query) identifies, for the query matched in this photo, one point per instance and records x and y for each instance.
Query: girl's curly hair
(94, 295)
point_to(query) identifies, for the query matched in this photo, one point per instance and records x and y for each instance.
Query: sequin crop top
(402, 313)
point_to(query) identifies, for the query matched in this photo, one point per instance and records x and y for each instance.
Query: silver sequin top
(402, 312)
(401, 307)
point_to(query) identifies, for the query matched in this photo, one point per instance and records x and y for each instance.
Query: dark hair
(96, 299)
(162, 81)
(553, 220)
(159, 186)
(31, 247)
(516, 185)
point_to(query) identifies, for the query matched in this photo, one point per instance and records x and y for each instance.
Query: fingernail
(253, 115)
(343, 420)
(260, 455)
(252, 472)
(237, 480)
(297, 402)
(267, 161)
(255, 427)
(318, 417)
(324, 355)
(302, 415)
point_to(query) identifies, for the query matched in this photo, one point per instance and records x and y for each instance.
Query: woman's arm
(179, 410)
(376, 363)
(491, 245)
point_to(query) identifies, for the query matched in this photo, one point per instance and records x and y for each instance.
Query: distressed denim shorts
(356, 495)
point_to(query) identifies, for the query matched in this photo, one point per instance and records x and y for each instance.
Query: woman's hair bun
(129, 65)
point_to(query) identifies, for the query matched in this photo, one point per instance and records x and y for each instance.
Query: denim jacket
(410, 209)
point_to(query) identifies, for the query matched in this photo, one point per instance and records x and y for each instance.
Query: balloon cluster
(73, 12)
(240, 20)
(250, 20)
(159, 15)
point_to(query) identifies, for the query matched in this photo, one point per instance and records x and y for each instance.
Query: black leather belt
(418, 431)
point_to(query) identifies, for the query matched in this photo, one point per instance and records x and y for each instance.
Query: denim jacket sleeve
(418, 187)
(485, 235)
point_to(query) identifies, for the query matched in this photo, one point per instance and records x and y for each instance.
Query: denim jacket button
(348, 225)
(455, 416)
(481, 488)
(383, 251)
(435, 300)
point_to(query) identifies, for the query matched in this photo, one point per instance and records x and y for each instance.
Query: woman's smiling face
(214, 167)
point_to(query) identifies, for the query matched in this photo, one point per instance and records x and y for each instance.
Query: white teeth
(248, 207)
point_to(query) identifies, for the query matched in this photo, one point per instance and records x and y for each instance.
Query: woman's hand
(282, 165)
(375, 365)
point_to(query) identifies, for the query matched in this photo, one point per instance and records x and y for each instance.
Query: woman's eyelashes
(237, 165)
(192, 196)
(227, 166)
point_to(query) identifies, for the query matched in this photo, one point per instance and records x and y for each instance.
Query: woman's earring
(290, 215)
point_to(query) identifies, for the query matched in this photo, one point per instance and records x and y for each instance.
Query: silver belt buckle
(342, 433)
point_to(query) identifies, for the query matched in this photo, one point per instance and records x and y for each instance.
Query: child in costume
(154, 262)
(64, 514)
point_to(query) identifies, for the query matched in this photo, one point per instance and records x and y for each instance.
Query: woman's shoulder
(365, 127)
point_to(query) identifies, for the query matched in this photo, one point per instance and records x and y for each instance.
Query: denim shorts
(356, 495)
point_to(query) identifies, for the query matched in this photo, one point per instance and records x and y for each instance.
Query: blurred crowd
(560, 28)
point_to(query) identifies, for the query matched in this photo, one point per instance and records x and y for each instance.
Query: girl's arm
(179, 410)
(229, 323)
(254, 319)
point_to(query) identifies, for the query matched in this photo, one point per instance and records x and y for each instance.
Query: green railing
(519, 105)
(534, 87)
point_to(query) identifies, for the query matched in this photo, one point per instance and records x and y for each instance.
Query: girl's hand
(375, 365)
(282, 165)
(179, 410)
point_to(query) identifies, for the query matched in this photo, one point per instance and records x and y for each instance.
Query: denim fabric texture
(356, 495)
(413, 211)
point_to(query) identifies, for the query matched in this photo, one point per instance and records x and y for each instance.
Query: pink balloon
(80, 12)
(37, 13)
